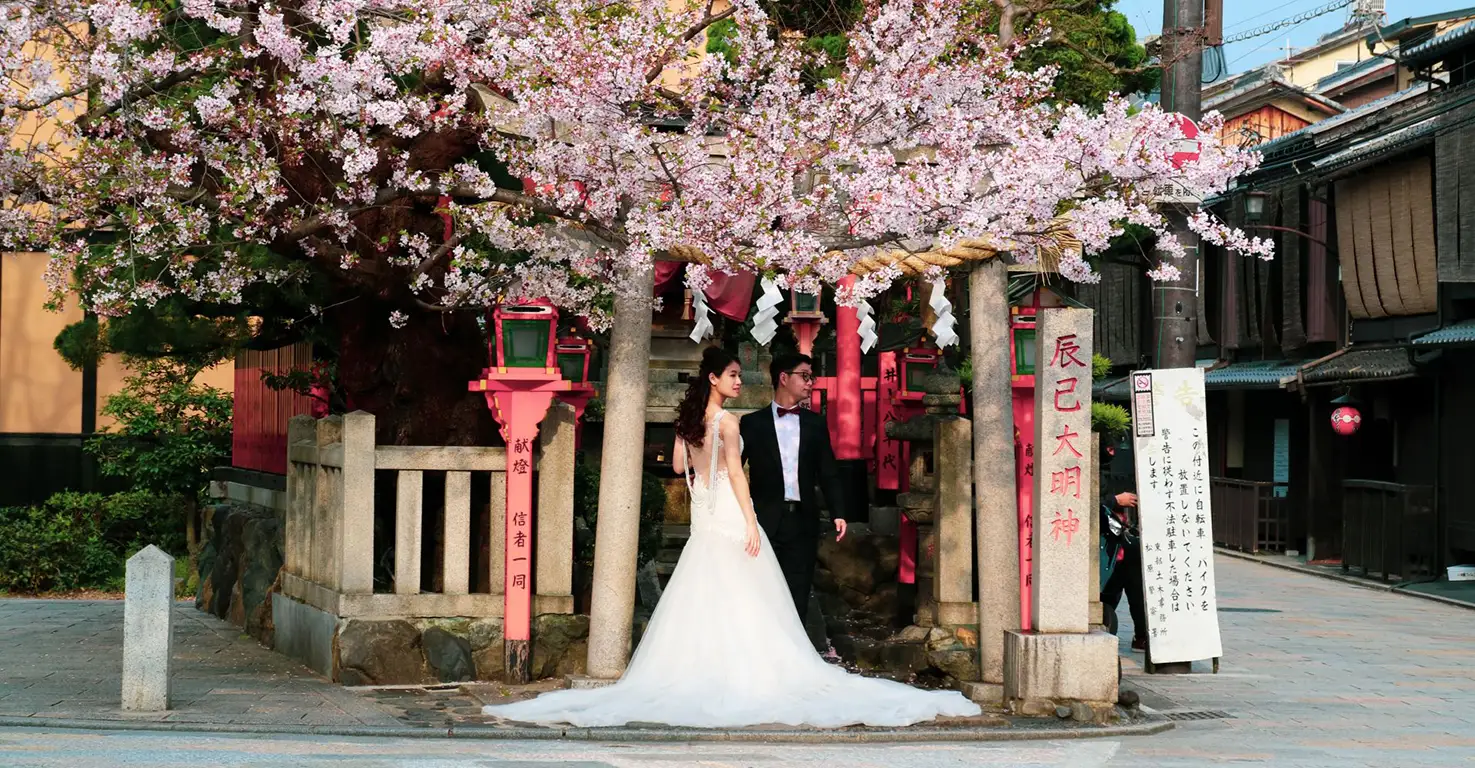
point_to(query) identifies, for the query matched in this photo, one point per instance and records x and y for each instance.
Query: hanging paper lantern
(1346, 420)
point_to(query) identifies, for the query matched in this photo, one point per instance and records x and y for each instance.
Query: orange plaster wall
(39, 392)
(111, 372)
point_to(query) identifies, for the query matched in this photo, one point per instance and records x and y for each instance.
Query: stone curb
(878, 736)
(1350, 580)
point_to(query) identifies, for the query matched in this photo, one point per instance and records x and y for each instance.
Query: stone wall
(239, 566)
(855, 586)
(400, 651)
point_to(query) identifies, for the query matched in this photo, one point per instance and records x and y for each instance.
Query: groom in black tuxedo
(787, 448)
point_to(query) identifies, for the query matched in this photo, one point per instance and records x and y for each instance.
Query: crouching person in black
(1118, 526)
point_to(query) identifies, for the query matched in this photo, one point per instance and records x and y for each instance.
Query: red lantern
(1346, 420)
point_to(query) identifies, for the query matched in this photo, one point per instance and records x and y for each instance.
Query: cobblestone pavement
(63, 659)
(1317, 673)
(36, 748)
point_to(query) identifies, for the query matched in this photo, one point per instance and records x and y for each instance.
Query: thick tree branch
(691, 34)
(1096, 59)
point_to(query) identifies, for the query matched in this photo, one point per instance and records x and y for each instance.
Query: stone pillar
(300, 431)
(326, 513)
(617, 536)
(993, 472)
(1063, 497)
(355, 534)
(1062, 661)
(148, 630)
(953, 523)
(555, 541)
(919, 505)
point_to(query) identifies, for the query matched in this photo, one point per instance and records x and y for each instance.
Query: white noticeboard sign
(1170, 444)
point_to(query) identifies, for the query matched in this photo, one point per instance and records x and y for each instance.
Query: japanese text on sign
(1176, 519)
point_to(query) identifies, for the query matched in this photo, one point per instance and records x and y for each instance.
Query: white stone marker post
(1062, 661)
(148, 630)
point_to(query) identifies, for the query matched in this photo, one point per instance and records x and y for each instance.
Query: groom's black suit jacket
(817, 468)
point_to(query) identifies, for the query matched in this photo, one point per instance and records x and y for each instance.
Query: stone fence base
(357, 651)
(240, 581)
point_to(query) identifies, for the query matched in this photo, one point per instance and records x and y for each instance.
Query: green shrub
(1112, 421)
(170, 431)
(82, 540)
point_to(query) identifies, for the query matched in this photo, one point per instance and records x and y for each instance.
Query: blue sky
(1242, 15)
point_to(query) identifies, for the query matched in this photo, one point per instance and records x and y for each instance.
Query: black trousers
(795, 542)
(1127, 578)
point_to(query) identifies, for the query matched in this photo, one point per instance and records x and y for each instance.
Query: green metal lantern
(573, 358)
(524, 335)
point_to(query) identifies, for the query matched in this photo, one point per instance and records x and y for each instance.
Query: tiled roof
(1364, 67)
(1269, 80)
(1321, 126)
(1388, 142)
(1361, 365)
(1257, 374)
(1437, 47)
(1459, 333)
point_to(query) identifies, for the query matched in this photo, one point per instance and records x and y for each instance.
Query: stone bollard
(148, 630)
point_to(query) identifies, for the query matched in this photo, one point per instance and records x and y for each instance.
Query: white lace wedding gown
(725, 646)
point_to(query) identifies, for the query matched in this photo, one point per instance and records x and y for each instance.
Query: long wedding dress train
(725, 647)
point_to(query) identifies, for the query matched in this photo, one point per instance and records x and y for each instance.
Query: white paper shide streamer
(943, 328)
(702, 315)
(867, 327)
(764, 324)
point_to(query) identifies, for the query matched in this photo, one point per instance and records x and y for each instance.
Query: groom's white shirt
(787, 428)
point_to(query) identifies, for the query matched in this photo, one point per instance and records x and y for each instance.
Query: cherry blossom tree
(417, 161)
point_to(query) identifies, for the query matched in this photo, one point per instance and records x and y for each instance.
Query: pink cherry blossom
(303, 126)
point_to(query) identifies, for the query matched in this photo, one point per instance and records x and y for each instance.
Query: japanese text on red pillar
(521, 464)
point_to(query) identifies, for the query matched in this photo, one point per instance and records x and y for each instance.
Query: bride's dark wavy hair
(691, 415)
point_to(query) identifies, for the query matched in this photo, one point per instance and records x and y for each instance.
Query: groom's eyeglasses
(805, 375)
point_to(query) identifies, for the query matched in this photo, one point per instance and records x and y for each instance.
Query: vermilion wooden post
(888, 451)
(519, 398)
(845, 423)
(519, 413)
(1023, 384)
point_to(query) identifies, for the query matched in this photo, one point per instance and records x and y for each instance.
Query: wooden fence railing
(1248, 515)
(332, 521)
(1388, 529)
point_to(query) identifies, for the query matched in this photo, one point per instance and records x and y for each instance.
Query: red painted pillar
(1024, 463)
(519, 413)
(846, 423)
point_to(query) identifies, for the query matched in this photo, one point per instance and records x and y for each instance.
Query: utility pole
(1175, 303)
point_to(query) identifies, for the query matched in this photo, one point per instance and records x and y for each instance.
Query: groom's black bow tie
(782, 411)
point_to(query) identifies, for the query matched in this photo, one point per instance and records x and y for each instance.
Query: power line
(1296, 20)
(1263, 14)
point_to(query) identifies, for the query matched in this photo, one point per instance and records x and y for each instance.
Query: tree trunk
(413, 379)
(617, 535)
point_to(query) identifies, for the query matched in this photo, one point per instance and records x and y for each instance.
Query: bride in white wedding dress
(725, 647)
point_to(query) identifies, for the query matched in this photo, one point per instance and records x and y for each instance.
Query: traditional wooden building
(1367, 305)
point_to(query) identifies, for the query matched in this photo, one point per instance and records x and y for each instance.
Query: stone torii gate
(612, 603)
